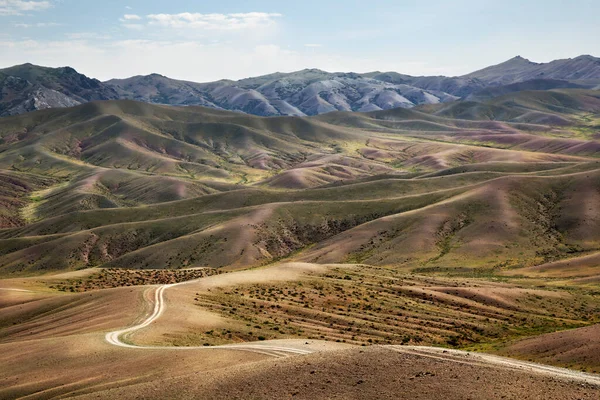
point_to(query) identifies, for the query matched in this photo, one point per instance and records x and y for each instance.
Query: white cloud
(37, 25)
(223, 22)
(313, 45)
(128, 8)
(17, 7)
(132, 22)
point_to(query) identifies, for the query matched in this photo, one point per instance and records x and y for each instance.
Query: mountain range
(308, 92)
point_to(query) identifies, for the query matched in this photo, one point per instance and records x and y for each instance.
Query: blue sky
(209, 40)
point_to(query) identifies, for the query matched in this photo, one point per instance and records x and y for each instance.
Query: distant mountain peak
(519, 60)
(313, 70)
(31, 87)
(69, 70)
(589, 58)
(519, 69)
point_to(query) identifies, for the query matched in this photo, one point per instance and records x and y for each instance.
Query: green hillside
(134, 185)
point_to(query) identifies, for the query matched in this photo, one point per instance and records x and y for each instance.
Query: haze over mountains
(27, 87)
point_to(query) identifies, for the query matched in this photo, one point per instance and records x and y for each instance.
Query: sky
(210, 40)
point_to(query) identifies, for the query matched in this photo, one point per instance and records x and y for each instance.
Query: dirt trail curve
(457, 356)
(114, 337)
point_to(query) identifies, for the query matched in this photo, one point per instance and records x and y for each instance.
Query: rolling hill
(130, 184)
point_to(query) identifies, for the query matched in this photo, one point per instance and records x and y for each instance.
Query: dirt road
(115, 337)
(119, 338)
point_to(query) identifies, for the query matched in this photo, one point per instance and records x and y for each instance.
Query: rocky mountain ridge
(28, 87)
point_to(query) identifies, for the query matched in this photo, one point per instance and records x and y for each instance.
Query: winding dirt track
(457, 356)
(114, 337)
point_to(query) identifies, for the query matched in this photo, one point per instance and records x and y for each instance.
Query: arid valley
(307, 234)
